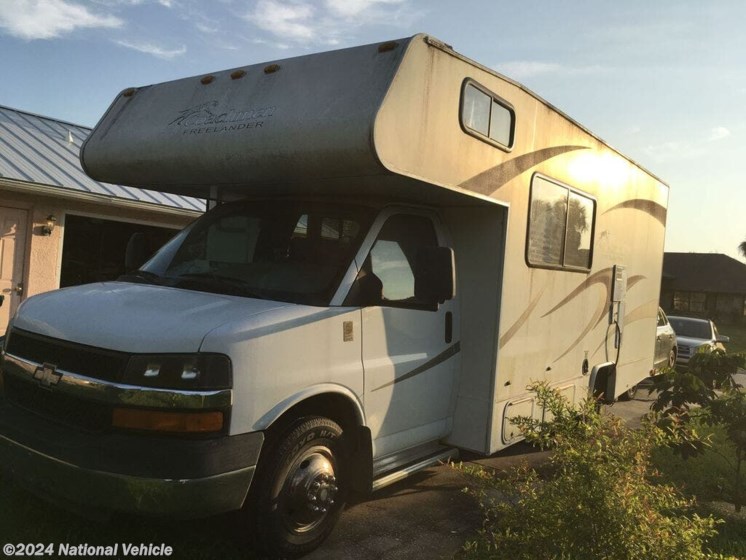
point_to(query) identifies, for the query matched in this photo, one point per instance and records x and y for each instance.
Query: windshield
(690, 328)
(280, 250)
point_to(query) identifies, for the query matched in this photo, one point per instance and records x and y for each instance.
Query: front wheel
(629, 394)
(301, 488)
(672, 359)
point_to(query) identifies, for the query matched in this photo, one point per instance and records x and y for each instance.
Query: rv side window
(560, 229)
(487, 117)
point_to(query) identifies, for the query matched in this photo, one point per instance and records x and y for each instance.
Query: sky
(662, 81)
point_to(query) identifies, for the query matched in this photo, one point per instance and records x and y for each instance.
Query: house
(58, 227)
(708, 285)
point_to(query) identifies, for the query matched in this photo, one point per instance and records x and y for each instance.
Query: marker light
(170, 422)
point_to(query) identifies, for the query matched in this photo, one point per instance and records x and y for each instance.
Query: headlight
(180, 371)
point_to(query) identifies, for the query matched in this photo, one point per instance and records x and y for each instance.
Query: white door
(12, 249)
(410, 348)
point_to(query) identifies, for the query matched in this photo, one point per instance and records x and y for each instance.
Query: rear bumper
(126, 473)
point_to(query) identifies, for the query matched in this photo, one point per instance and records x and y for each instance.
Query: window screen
(560, 233)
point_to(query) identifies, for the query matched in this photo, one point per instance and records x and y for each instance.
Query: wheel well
(330, 405)
(341, 410)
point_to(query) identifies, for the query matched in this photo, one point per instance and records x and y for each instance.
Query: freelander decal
(210, 118)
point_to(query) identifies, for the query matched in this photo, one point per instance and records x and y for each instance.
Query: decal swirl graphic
(490, 181)
(648, 206)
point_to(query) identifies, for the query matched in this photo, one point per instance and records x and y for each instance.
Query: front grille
(87, 415)
(683, 351)
(93, 362)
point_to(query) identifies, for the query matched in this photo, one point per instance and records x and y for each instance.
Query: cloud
(47, 19)
(328, 22)
(206, 27)
(291, 21)
(129, 3)
(155, 50)
(674, 151)
(632, 130)
(354, 8)
(718, 133)
(522, 69)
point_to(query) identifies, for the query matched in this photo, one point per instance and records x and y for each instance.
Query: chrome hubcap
(310, 489)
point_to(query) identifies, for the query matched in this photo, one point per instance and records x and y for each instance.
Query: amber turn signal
(171, 422)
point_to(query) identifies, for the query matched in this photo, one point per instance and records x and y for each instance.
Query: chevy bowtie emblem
(46, 375)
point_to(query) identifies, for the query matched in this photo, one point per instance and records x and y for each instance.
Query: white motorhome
(404, 240)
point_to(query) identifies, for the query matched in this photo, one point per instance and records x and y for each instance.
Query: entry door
(410, 347)
(12, 249)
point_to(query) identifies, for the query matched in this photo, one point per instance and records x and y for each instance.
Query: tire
(301, 488)
(629, 394)
(672, 359)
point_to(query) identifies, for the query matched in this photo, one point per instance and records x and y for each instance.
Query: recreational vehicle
(402, 240)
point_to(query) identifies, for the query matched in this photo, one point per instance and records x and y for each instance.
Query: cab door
(410, 344)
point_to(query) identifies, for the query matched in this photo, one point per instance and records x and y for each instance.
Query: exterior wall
(553, 319)
(725, 308)
(42, 261)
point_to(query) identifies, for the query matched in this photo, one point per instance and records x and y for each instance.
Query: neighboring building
(58, 227)
(707, 285)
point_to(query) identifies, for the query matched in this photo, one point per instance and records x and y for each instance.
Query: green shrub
(598, 500)
(707, 394)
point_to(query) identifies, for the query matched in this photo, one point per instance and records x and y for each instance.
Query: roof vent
(70, 139)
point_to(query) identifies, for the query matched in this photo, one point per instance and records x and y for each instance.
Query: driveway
(428, 515)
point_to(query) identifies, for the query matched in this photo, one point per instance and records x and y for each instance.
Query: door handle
(449, 327)
(18, 289)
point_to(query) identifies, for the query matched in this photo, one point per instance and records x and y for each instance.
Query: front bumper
(136, 474)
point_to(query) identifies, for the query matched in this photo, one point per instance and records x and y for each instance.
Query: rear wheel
(300, 488)
(672, 359)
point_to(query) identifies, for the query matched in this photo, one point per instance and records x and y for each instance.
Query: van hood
(690, 342)
(138, 318)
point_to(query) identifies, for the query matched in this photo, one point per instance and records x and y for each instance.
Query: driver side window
(393, 258)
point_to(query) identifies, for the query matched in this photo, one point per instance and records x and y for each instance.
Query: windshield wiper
(225, 284)
(141, 276)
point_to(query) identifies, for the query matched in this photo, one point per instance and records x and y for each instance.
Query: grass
(27, 519)
(737, 334)
(709, 478)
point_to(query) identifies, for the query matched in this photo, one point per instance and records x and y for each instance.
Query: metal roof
(45, 151)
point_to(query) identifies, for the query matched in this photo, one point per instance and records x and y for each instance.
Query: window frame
(342, 297)
(563, 267)
(496, 99)
(404, 303)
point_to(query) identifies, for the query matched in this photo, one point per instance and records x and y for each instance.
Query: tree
(742, 248)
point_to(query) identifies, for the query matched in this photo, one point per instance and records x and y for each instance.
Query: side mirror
(134, 255)
(435, 277)
(722, 338)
